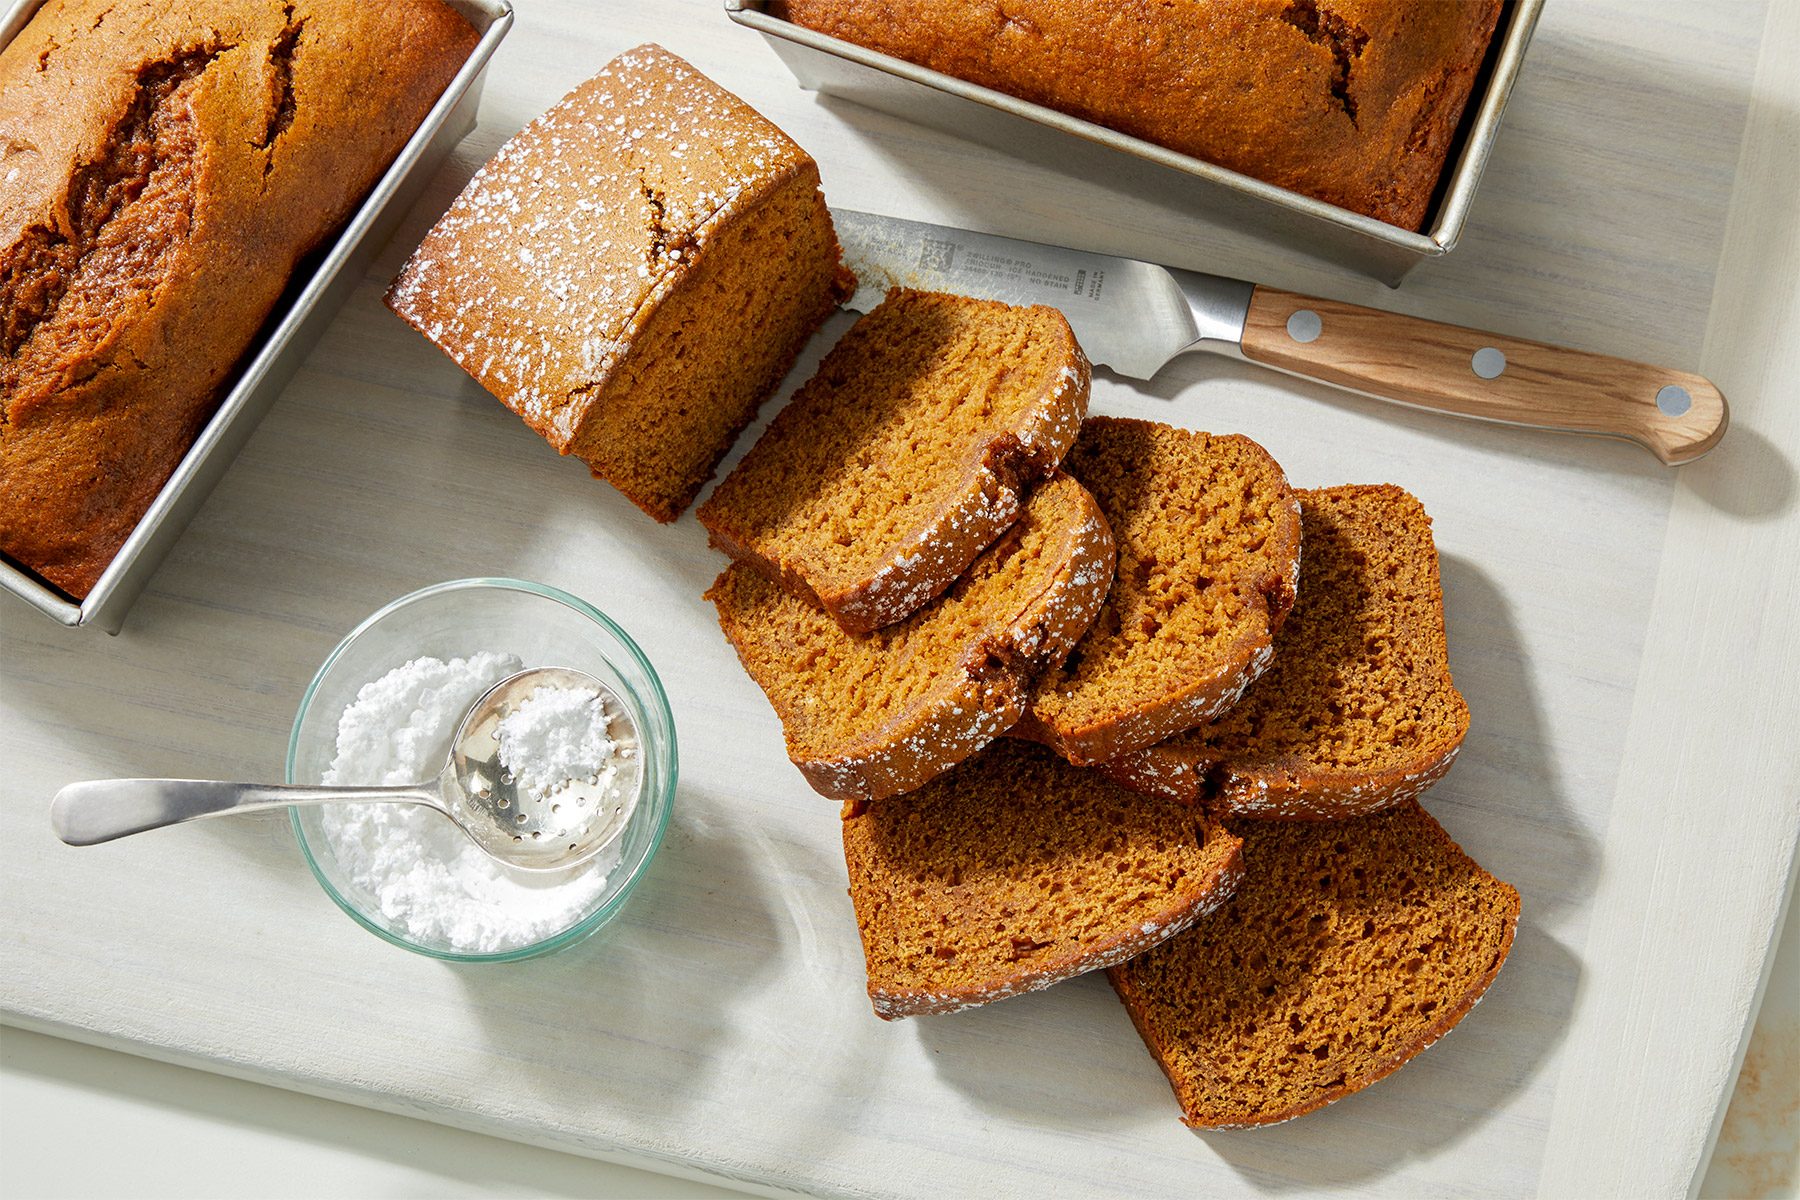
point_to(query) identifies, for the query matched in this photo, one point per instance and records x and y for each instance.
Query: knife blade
(1136, 316)
(1131, 316)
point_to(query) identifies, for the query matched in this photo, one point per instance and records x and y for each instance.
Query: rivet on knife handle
(1676, 415)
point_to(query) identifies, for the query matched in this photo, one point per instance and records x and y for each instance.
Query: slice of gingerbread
(905, 455)
(1348, 947)
(1209, 554)
(1357, 711)
(872, 715)
(1016, 871)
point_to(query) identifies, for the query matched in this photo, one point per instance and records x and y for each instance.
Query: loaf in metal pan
(163, 170)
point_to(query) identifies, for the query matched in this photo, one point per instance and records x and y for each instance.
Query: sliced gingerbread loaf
(871, 715)
(1358, 710)
(905, 455)
(633, 273)
(1017, 870)
(1349, 947)
(1208, 538)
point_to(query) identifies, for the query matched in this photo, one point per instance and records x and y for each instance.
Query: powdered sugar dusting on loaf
(540, 272)
(1026, 622)
(922, 530)
(1189, 681)
(1054, 621)
(1293, 573)
(935, 555)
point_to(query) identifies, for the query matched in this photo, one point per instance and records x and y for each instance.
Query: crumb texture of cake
(1016, 871)
(875, 714)
(1208, 537)
(1349, 947)
(1357, 711)
(1354, 102)
(633, 273)
(163, 171)
(905, 455)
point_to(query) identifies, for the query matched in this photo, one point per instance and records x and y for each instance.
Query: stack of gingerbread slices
(1086, 705)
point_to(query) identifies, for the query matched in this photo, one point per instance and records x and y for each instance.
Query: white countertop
(241, 1139)
(245, 1139)
(1630, 767)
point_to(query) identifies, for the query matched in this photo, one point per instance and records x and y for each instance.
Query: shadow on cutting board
(1072, 1060)
(1505, 800)
(644, 1003)
(1746, 476)
(694, 993)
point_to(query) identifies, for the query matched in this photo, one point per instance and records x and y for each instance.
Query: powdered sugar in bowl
(389, 698)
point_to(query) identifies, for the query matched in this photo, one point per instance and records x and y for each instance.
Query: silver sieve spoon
(562, 829)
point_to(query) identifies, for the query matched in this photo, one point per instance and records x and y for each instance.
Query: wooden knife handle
(1675, 415)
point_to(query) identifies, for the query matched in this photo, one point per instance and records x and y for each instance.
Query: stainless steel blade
(1132, 316)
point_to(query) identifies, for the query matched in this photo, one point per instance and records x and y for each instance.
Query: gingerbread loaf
(633, 273)
(164, 169)
(1354, 102)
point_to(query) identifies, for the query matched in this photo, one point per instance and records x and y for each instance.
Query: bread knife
(1135, 317)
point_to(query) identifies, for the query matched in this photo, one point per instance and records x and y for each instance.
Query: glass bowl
(544, 627)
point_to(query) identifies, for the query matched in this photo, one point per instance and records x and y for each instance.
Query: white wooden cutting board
(1626, 638)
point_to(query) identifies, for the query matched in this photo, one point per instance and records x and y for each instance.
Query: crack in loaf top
(261, 112)
(564, 242)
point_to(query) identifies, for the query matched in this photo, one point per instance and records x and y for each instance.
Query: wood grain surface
(1446, 368)
(1624, 635)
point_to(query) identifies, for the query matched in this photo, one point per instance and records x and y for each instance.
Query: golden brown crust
(1213, 1035)
(1354, 102)
(1017, 871)
(1025, 601)
(880, 481)
(162, 171)
(633, 273)
(1362, 660)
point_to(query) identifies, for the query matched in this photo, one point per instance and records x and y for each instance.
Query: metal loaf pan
(1276, 215)
(293, 328)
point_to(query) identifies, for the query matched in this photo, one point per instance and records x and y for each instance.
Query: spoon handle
(100, 810)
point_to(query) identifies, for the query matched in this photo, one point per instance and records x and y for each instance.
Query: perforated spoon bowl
(554, 832)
